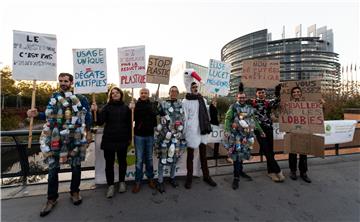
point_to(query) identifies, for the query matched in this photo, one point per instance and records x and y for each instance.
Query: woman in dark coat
(116, 137)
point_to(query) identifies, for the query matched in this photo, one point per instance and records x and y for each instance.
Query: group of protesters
(166, 128)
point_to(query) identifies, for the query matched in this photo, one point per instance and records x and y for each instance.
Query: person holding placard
(240, 124)
(296, 96)
(196, 128)
(145, 121)
(116, 137)
(170, 142)
(64, 138)
(263, 109)
(214, 121)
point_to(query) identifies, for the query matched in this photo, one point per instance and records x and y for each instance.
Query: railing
(23, 154)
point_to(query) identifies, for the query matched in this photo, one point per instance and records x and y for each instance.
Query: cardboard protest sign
(310, 90)
(218, 78)
(131, 62)
(260, 73)
(90, 73)
(307, 144)
(34, 56)
(301, 117)
(158, 70)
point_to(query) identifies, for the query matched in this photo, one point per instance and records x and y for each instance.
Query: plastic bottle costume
(169, 137)
(64, 136)
(241, 123)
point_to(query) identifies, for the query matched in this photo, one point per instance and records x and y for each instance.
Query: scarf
(204, 122)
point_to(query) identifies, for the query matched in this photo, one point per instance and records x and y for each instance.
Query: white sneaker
(281, 176)
(122, 187)
(110, 192)
(274, 177)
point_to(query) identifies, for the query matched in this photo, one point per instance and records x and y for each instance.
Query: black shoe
(247, 177)
(173, 183)
(235, 184)
(293, 175)
(50, 204)
(188, 183)
(160, 187)
(305, 178)
(210, 181)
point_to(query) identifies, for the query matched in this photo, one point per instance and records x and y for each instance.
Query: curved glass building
(300, 57)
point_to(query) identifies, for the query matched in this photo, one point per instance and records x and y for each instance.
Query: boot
(189, 167)
(210, 181)
(160, 187)
(293, 175)
(235, 184)
(305, 177)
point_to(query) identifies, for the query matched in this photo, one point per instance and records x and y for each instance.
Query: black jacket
(213, 115)
(145, 118)
(117, 119)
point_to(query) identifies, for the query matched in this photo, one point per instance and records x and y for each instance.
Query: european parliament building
(300, 57)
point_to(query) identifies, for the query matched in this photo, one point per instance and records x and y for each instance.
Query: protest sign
(158, 70)
(306, 144)
(310, 90)
(90, 75)
(131, 62)
(34, 56)
(301, 117)
(260, 73)
(218, 78)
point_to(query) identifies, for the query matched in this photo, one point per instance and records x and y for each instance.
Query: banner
(218, 79)
(158, 70)
(260, 73)
(310, 90)
(100, 177)
(217, 134)
(339, 131)
(90, 74)
(131, 62)
(34, 56)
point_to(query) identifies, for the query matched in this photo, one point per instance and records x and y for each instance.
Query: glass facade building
(300, 58)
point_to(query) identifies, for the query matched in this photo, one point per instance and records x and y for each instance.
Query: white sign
(100, 177)
(339, 131)
(218, 79)
(90, 75)
(217, 134)
(34, 56)
(131, 62)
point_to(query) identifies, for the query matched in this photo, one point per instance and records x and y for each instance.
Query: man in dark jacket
(145, 122)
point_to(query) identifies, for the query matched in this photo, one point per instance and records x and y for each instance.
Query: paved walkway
(334, 195)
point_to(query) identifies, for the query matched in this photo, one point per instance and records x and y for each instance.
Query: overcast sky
(187, 30)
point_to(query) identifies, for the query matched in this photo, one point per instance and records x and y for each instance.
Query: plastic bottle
(55, 138)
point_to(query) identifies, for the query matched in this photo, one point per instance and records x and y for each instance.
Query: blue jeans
(144, 153)
(238, 167)
(161, 168)
(53, 179)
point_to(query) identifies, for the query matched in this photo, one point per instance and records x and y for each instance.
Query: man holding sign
(64, 138)
(263, 109)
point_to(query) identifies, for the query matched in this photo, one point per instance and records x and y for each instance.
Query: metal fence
(23, 154)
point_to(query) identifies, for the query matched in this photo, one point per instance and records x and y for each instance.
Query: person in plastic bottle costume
(240, 124)
(64, 139)
(169, 138)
